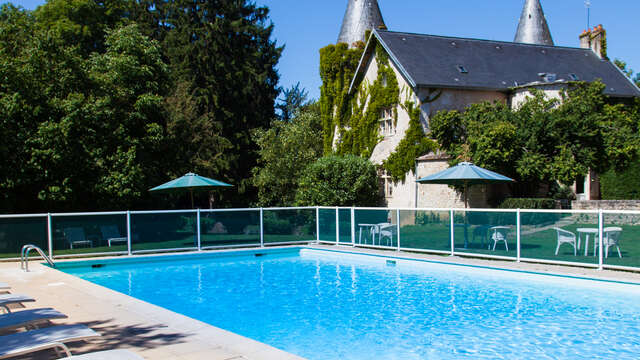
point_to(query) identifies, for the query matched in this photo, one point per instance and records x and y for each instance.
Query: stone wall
(606, 205)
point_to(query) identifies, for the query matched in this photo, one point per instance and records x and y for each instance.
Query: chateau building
(450, 73)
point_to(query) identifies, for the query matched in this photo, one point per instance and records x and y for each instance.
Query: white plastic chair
(387, 230)
(566, 237)
(499, 233)
(611, 237)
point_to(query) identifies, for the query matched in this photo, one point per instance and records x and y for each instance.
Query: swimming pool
(327, 305)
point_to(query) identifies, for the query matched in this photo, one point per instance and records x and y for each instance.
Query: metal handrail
(24, 256)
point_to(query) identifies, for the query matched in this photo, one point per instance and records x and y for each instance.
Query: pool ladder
(24, 256)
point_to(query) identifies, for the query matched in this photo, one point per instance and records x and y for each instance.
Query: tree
(629, 72)
(339, 181)
(82, 22)
(82, 132)
(293, 99)
(545, 140)
(285, 150)
(223, 61)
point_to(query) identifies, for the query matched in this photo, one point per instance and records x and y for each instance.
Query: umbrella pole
(191, 193)
(466, 200)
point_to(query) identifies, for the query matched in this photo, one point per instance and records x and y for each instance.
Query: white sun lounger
(8, 299)
(42, 339)
(27, 318)
(106, 355)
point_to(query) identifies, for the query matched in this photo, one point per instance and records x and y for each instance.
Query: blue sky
(304, 26)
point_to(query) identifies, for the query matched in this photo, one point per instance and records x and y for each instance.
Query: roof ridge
(483, 40)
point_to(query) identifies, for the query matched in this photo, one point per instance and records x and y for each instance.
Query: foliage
(545, 139)
(413, 145)
(525, 203)
(621, 185)
(95, 112)
(339, 181)
(627, 71)
(360, 133)
(338, 65)
(285, 150)
(79, 132)
(222, 56)
(358, 124)
(294, 99)
(561, 192)
(81, 22)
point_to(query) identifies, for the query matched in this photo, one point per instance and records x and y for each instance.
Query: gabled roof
(450, 62)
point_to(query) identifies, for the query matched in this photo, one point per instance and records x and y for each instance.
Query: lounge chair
(498, 234)
(566, 237)
(106, 355)
(9, 299)
(28, 318)
(53, 337)
(75, 236)
(112, 234)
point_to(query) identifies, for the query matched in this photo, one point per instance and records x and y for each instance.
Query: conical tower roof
(533, 27)
(361, 15)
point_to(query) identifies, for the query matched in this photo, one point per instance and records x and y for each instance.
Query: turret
(361, 16)
(533, 27)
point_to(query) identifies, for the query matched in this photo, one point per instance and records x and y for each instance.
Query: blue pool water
(329, 305)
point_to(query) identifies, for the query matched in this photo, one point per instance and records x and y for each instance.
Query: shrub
(515, 203)
(339, 181)
(533, 218)
(623, 185)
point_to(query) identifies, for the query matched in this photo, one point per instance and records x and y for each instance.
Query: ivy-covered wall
(338, 65)
(356, 116)
(360, 134)
(413, 145)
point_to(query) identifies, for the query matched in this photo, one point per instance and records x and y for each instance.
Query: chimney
(596, 40)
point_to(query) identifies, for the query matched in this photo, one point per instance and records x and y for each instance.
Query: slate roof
(434, 61)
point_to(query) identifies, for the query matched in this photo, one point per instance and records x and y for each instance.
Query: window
(386, 123)
(386, 183)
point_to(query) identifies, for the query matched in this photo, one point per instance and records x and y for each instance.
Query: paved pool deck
(157, 333)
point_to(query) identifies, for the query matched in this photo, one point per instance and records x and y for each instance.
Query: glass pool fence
(603, 239)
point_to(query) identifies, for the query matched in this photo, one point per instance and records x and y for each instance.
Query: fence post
(317, 225)
(398, 226)
(129, 232)
(353, 227)
(49, 236)
(337, 226)
(600, 234)
(518, 228)
(261, 227)
(452, 224)
(198, 230)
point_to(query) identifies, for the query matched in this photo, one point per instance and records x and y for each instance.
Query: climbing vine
(356, 116)
(361, 133)
(338, 65)
(413, 145)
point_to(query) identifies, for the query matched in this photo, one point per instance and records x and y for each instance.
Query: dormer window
(386, 123)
